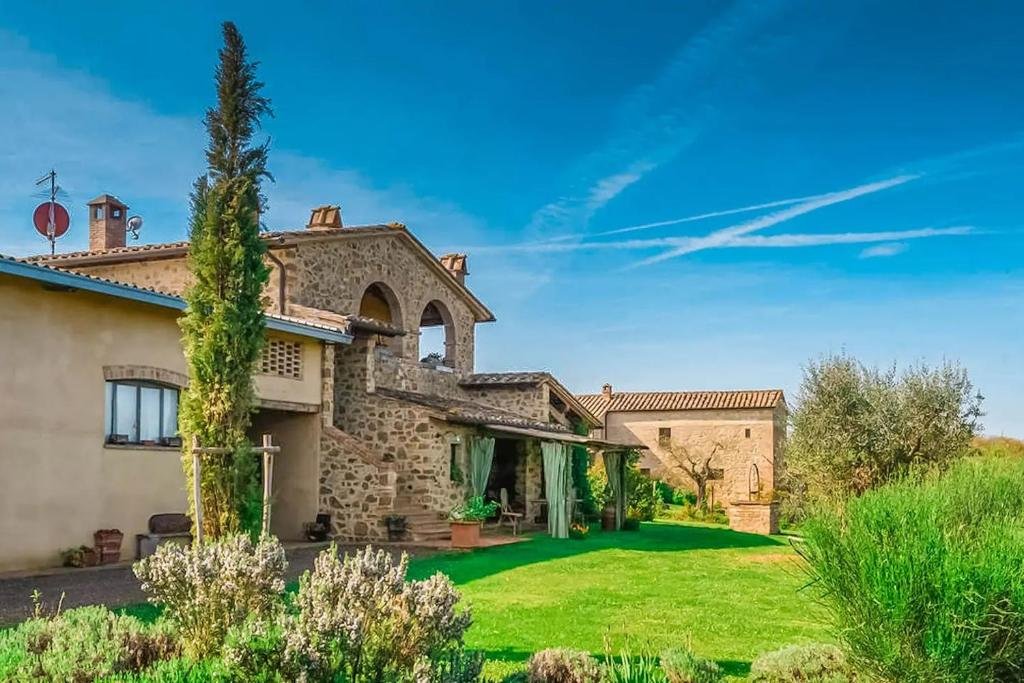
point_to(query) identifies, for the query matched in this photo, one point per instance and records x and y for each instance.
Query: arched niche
(437, 335)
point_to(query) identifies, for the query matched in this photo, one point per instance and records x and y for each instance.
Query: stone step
(430, 534)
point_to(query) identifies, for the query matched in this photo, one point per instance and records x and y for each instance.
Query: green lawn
(730, 595)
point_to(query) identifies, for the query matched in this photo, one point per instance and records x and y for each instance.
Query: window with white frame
(141, 413)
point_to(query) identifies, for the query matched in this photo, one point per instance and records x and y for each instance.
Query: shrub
(817, 663)
(254, 651)
(642, 496)
(179, 671)
(475, 509)
(924, 578)
(82, 644)
(693, 513)
(629, 668)
(560, 665)
(681, 665)
(359, 616)
(207, 589)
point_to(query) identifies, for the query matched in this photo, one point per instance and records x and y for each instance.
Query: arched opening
(437, 336)
(380, 303)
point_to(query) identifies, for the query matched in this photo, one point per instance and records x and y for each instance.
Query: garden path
(116, 586)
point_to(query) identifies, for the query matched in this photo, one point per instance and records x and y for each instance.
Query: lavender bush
(207, 589)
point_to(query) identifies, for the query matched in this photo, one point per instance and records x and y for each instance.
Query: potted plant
(466, 520)
(82, 556)
(396, 527)
(318, 531)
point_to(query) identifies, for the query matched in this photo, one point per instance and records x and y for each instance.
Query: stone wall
(406, 374)
(698, 431)
(522, 399)
(408, 436)
(333, 275)
(754, 518)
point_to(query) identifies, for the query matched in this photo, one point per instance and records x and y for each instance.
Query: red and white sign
(51, 220)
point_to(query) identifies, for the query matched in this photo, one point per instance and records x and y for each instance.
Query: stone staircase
(423, 524)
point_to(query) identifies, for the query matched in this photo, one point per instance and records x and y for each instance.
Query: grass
(730, 596)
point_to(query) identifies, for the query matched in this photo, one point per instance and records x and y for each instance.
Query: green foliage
(643, 498)
(207, 589)
(475, 509)
(179, 670)
(83, 644)
(855, 428)
(580, 464)
(681, 665)
(629, 668)
(816, 663)
(689, 512)
(673, 496)
(561, 665)
(223, 323)
(924, 578)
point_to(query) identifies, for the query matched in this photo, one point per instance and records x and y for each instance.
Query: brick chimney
(108, 217)
(325, 217)
(606, 391)
(456, 265)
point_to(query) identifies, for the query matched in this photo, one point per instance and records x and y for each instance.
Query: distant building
(744, 430)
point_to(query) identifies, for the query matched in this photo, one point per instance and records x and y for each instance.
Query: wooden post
(268, 481)
(197, 518)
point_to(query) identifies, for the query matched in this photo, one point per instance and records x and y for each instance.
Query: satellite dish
(134, 225)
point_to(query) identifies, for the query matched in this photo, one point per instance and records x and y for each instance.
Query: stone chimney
(325, 218)
(606, 391)
(456, 265)
(108, 221)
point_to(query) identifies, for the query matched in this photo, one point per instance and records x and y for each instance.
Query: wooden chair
(508, 513)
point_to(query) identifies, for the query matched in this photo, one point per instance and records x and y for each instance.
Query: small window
(141, 413)
(717, 474)
(746, 432)
(454, 471)
(97, 213)
(115, 213)
(664, 435)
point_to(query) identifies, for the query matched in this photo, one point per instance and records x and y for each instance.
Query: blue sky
(883, 143)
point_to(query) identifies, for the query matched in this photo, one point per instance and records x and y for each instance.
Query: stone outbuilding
(398, 415)
(738, 435)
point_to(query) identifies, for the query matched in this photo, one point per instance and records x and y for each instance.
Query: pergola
(556, 461)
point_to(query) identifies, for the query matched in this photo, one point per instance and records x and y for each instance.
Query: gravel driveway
(116, 586)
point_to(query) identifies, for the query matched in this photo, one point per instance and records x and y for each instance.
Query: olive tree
(856, 427)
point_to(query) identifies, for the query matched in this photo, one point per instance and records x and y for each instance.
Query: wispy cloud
(101, 142)
(718, 238)
(817, 240)
(884, 250)
(659, 118)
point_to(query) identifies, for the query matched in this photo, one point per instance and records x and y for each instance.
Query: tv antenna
(50, 218)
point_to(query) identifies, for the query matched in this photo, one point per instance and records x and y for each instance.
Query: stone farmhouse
(741, 432)
(389, 428)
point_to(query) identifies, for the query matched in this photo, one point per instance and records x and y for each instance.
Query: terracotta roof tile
(646, 401)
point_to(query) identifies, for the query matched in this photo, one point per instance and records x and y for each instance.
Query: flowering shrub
(84, 644)
(579, 531)
(560, 665)
(681, 665)
(815, 663)
(359, 618)
(207, 589)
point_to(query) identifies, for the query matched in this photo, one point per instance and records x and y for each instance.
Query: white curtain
(556, 487)
(481, 454)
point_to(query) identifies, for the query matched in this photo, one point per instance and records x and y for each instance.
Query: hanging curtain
(556, 485)
(614, 467)
(481, 454)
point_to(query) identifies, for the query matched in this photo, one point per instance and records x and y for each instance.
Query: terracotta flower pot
(465, 534)
(108, 543)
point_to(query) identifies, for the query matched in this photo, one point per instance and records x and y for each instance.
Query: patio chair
(508, 513)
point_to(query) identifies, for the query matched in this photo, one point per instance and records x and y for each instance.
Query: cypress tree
(223, 323)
